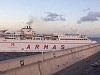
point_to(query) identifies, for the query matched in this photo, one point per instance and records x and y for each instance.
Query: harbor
(49, 37)
(26, 52)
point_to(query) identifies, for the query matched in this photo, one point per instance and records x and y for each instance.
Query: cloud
(30, 22)
(91, 17)
(53, 17)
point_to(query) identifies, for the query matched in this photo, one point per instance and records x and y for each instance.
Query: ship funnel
(28, 27)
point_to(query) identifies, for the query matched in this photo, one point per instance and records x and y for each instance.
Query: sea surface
(12, 55)
(95, 39)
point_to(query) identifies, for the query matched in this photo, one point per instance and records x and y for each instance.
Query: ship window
(37, 38)
(56, 36)
(9, 38)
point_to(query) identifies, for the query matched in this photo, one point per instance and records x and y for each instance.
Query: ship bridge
(27, 32)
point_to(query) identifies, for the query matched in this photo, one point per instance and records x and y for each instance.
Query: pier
(48, 63)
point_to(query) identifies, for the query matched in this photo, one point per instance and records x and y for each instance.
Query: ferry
(27, 40)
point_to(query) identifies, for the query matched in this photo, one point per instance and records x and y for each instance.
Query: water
(95, 39)
(12, 55)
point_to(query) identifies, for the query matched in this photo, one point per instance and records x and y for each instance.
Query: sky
(52, 16)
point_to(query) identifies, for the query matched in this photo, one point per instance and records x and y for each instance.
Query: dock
(48, 63)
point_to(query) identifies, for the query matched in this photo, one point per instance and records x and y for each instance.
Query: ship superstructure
(27, 40)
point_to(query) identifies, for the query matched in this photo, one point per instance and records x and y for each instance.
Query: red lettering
(45, 46)
(12, 44)
(54, 47)
(62, 47)
(37, 46)
(28, 47)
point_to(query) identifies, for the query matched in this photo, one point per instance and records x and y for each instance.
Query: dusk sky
(52, 16)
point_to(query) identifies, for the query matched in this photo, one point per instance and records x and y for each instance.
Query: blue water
(95, 39)
(12, 55)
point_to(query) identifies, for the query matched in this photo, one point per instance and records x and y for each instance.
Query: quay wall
(47, 63)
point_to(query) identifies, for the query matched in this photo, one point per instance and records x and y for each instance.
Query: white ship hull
(39, 46)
